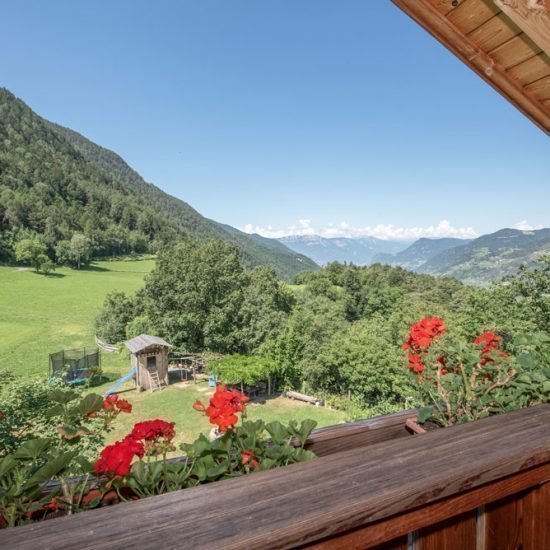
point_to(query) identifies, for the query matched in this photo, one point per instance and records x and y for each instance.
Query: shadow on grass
(93, 268)
(51, 275)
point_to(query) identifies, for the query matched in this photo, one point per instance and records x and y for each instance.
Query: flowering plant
(246, 448)
(139, 461)
(26, 473)
(463, 380)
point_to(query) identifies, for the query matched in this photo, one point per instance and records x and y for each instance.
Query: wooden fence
(483, 485)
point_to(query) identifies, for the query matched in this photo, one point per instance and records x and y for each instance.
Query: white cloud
(382, 231)
(524, 226)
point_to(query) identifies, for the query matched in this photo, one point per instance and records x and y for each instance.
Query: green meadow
(45, 314)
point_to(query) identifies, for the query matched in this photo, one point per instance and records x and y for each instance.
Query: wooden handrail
(387, 489)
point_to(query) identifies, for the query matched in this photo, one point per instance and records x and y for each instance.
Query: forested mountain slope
(55, 183)
(490, 257)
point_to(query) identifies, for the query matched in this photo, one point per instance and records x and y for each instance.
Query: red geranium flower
(198, 406)
(490, 342)
(248, 457)
(421, 336)
(124, 406)
(53, 505)
(224, 405)
(151, 430)
(110, 402)
(116, 459)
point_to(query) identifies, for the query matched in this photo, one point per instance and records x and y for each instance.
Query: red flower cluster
(421, 336)
(153, 430)
(1, 415)
(490, 342)
(149, 437)
(224, 406)
(116, 459)
(247, 457)
(114, 403)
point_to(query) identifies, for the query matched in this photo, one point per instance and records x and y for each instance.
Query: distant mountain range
(490, 257)
(419, 252)
(54, 183)
(475, 261)
(360, 251)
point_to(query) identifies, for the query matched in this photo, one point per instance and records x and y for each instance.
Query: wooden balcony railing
(484, 485)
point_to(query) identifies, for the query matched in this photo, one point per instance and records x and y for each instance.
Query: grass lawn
(174, 404)
(41, 315)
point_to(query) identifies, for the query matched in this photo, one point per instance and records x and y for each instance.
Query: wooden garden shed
(149, 358)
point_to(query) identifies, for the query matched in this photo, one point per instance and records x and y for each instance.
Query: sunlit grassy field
(42, 315)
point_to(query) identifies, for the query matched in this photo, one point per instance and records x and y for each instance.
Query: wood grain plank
(540, 88)
(532, 17)
(471, 14)
(311, 501)
(531, 70)
(494, 33)
(436, 512)
(515, 51)
(443, 6)
(456, 533)
(343, 437)
(536, 518)
(503, 524)
(519, 521)
(400, 543)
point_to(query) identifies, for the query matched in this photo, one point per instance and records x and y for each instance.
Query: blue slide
(120, 382)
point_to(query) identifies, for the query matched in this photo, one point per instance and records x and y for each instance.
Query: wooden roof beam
(441, 28)
(532, 17)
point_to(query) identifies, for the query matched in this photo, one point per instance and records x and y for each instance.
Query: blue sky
(300, 116)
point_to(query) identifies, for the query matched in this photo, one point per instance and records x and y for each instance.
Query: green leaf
(7, 464)
(52, 468)
(90, 404)
(57, 410)
(306, 427)
(63, 397)
(302, 455)
(32, 449)
(71, 432)
(423, 414)
(277, 431)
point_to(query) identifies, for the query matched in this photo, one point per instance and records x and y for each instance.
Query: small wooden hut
(149, 358)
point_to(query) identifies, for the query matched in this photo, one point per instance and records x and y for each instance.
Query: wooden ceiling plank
(434, 22)
(443, 6)
(494, 32)
(471, 14)
(532, 17)
(532, 69)
(515, 51)
(540, 88)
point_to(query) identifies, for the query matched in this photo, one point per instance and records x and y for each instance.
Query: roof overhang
(506, 42)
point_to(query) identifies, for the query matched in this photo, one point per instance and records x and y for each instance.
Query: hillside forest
(71, 200)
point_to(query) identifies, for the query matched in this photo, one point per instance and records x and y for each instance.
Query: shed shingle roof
(144, 341)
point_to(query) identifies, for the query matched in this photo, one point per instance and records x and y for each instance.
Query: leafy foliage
(243, 369)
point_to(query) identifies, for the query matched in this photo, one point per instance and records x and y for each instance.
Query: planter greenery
(466, 381)
(137, 466)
